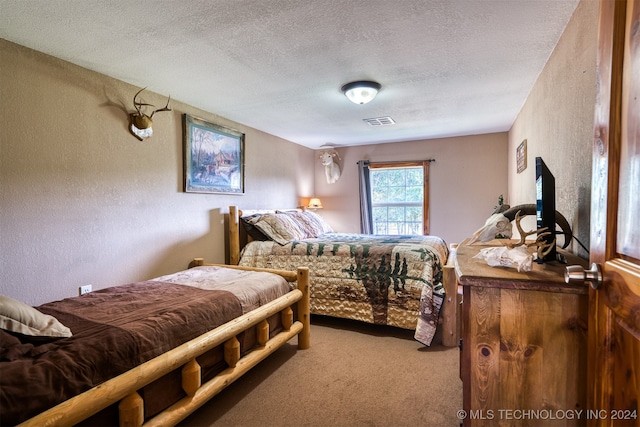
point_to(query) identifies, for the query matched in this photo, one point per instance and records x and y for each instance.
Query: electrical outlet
(84, 289)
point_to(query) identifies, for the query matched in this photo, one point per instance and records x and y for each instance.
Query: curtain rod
(402, 161)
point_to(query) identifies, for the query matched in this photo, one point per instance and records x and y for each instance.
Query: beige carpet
(354, 374)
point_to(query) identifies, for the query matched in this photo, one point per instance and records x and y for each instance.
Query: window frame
(425, 184)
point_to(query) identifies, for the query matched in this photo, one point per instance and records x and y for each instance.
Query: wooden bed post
(450, 305)
(286, 317)
(197, 262)
(191, 377)
(304, 308)
(262, 332)
(131, 410)
(234, 236)
(232, 351)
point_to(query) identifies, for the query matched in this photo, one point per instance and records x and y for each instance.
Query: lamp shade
(315, 203)
(361, 92)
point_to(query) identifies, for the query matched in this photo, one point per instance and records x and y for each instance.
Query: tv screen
(546, 205)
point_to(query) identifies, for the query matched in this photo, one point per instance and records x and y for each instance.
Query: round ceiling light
(361, 92)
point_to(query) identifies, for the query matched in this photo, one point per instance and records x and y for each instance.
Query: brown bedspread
(114, 330)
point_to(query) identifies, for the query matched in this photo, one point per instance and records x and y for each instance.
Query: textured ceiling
(447, 68)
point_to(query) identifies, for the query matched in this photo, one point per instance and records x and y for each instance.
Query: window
(399, 198)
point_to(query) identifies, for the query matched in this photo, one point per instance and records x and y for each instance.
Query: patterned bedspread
(386, 280)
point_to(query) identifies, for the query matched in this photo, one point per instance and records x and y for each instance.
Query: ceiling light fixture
(361, 92)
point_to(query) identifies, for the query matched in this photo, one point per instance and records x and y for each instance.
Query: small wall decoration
(140, 123)
(331, 166)
(521, 156)
(213, 158)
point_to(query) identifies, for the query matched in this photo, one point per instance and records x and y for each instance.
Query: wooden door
(614, 308)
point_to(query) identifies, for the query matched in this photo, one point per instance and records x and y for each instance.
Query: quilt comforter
(386, 280)
(118, 328)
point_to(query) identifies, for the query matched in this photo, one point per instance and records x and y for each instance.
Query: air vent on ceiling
(380, 121)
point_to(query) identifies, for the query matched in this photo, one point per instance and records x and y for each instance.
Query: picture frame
(521, 156)
(213, 158)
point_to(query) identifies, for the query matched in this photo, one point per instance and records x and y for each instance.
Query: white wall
(84, 202)
(557, 121)
(466, 179)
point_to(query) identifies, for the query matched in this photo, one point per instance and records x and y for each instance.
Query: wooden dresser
(523, 346)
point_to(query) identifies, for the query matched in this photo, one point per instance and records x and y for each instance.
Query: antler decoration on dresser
(542, 247)
(500, 224)
(530, 209)
(139, 122)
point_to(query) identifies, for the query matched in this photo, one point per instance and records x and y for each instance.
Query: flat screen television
(546, 205)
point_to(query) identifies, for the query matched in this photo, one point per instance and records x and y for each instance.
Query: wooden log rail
(124, 388)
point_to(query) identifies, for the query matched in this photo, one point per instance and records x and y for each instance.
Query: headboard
(238, 237)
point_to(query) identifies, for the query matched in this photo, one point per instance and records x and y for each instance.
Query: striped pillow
(280, 227)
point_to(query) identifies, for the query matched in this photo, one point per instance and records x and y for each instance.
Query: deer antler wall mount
(140, 124)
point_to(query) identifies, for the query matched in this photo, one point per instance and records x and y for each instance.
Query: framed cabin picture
(213, 158)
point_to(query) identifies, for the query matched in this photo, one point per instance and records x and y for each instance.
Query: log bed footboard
(123, 388)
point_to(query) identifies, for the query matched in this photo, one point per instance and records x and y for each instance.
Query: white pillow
(279, 227)
(21, 318)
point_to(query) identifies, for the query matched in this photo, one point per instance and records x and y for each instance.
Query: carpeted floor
(354, 374)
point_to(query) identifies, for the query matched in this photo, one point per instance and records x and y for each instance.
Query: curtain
(426, 230)
(366, 221)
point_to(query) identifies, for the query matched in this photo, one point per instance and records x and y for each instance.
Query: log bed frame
(449, 313)
(123, 388)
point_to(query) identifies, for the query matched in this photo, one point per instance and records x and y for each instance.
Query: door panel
(629, 191)
(614, 325)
